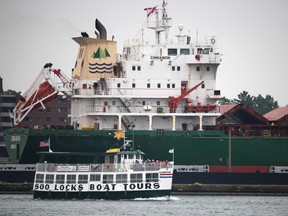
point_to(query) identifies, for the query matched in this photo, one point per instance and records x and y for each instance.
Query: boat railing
(119, 167)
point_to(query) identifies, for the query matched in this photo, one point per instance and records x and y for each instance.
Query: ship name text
(160, 57)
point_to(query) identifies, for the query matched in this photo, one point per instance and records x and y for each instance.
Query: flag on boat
(119, 134)
(150, 10)
(44, 143)
(171, 151)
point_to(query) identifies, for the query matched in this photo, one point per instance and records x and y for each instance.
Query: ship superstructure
(151, 85)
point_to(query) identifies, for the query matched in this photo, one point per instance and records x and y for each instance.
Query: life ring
(213, 40)
(197, 57)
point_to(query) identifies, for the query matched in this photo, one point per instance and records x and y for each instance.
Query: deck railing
(120, 167)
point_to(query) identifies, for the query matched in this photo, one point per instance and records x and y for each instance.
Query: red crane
(44, 89)
(173, 102)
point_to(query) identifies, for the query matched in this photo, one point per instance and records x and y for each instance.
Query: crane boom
(173, 102)
(44, 89)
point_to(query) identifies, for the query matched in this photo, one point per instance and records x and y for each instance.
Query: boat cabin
(116, 156)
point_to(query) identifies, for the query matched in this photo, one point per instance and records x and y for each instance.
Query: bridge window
(172, 52)
(184, 51)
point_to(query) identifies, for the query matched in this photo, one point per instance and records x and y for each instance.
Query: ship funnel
(101, 29)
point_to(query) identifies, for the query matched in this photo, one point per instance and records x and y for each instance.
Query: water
(175, 205)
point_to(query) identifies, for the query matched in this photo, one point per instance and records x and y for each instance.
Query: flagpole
(173, 155)
(49, 145)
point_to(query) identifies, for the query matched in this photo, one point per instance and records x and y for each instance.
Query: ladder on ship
(126, 104)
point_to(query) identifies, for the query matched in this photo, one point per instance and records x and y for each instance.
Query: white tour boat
(123, 175)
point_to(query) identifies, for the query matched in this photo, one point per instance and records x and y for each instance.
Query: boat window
(121, 178)
(107, 179)
(133, 85)
(198, 68)
(207, 68)
(172, 52)
(131, 156)
(118, 85)
(158, 103)
(83, 179)
(39, 178)
(49, 179)
(135, 177)
(71, 179)
(168, 85)
(60, 179)
(148, 85)
(173, 85)
(178, 68)
(152, 177)
(173, 68)
(184, 51)
(109, 158)
(133, 68)
(95, 177)
(158, 85)
(139, 68)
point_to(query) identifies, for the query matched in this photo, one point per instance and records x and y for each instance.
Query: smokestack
(1, 85)
(101, 29)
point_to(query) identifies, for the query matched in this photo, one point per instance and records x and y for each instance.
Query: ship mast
(160, 24)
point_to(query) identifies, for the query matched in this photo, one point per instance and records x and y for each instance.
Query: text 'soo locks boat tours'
(124, 175)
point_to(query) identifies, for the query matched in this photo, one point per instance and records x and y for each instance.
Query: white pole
(49, 145)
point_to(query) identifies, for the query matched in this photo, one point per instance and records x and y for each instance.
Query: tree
(264, 105)
(259, 104)
(224, 100)
(245, 98)
(12, 92)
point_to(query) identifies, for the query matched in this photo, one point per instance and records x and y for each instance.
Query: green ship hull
(209, 147)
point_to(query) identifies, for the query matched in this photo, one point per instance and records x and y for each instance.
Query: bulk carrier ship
(163, 95)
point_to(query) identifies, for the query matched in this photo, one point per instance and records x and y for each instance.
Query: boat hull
(191, 147)
(115, 195)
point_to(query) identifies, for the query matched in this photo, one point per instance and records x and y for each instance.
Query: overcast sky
(252, 36)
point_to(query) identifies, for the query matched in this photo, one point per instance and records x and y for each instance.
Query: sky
(251, 35)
